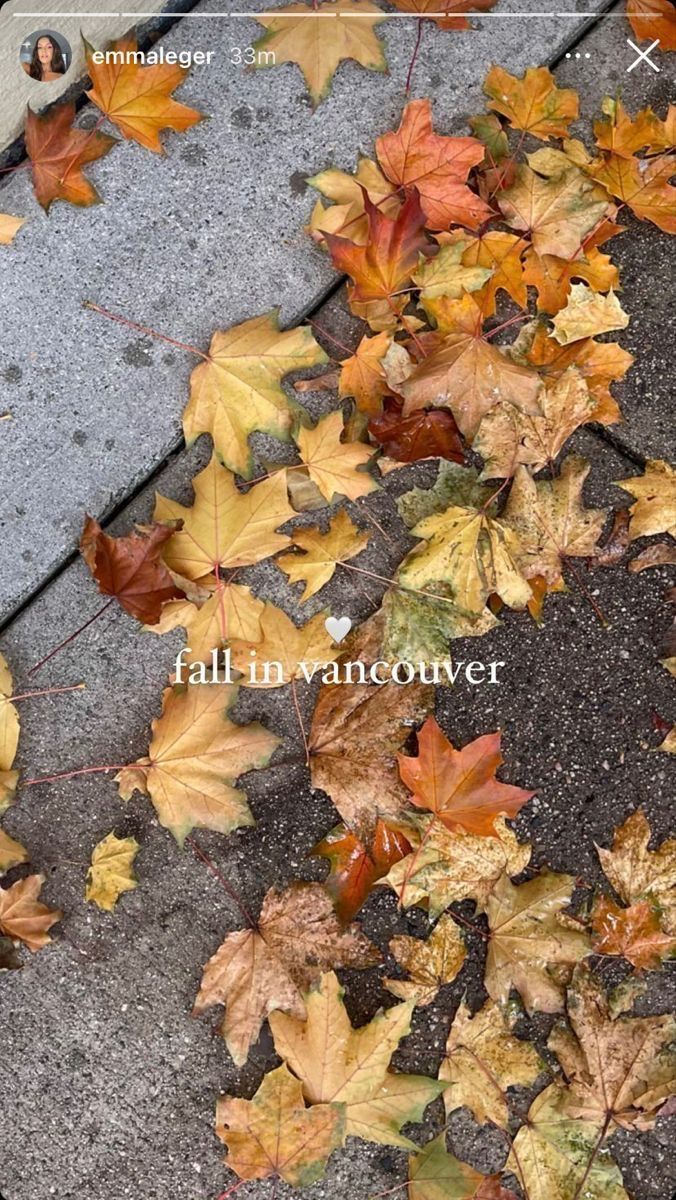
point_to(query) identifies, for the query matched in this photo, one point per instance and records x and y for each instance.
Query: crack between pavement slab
(315, 305)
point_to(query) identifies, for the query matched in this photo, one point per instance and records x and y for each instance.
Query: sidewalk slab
(201, 239)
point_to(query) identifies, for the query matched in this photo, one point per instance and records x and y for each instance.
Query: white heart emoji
(338, 627)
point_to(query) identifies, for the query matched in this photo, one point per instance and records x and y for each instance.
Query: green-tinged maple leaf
(434, 1174)
(238, 388)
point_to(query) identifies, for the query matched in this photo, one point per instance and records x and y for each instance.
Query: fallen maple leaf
(483, 1059)
(635, 872)
(476, 555)
(9, 227)
(437, 167)
(430, 964)
(258, 970)
(530, 947)
(322, 552)
(466, 373)
(634, 933)
(137, 98)
(599, 362)
(551, 520)
(58, 152)
(284, 643)
(643, 184)
(130, 568)
(587, 314)
(355, 868)
(555, 1157)
(446, 14)
(276, 1135)
(347, 214)
(384, 265)
(558, 212)
(423, 434)
(453, 485)
(434, 1174)
(111, 872)
(500, 253)
(363, 375)
(508, 437)
(341, 1065)
(306, 36)
(237, 390)
(356, 731)
(333, 464)
(552, 276)
(195, 756)
(446, 274)
(448, 866)
(618, 133)
(651, 19)
(533, 104)
(459, 786)
(230, 611)
(620, 1070)
(11, 853)
(9, 737)
(22, 917)
(225, 527)
(654, 510)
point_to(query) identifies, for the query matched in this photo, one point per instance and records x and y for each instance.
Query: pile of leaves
(437, 236)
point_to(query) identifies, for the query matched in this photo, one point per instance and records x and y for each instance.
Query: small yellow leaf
(430, 964)
(333, 464)
(322, 552)
(111, 872)
(586, 314)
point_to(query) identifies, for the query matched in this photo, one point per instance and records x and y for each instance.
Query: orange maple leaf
(634, 933)
(436, 166)
(459, 786)
(384, 265)
(130, 568)
(654, 19)
(355, 867)
(452, 10)
(136, 98)
(58, 151)
(643, 184)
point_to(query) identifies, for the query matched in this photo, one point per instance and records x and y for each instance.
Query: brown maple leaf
(423, 434)
(58, 152)
(130, 568)
(436, 167)
(459, 786)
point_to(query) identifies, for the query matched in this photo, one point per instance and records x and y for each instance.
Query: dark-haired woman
(47, 61)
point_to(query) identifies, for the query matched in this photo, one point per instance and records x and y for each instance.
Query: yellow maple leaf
(111, 871)
(363, 375)
(137, 98)
(225, 527)
(309, 37)
(238, 388)
(558, 211)
(483, 1058)
(430, 964)
(283, 645)
(587, 314)
(322, 552)
(196, 754)
(332, 464)
(654, 510)
(347, 214)
(11, 853)
(533, 103)
(230, 611)
(9, 737)
(636, 872)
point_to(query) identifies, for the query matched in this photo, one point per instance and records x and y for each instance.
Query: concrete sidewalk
(110, 1086)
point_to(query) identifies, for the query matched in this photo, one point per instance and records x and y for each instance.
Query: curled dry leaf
(459, 786)
(654, 510)
(587, 314)
(445, 867)
(196, 754)
(430, 964)
(58, 151)
(533, 104)
(483, 1059)
(335, 465)
(138, 98)
(322, 552)
(341, 1065)
(22, 917)
(9, 737)
(635, 933)
(661, 554)
(620, 1071)
(111, 872)
(356, 732)
(530, 947)
(131, 568)
(355, 869)
(300, 34)
(437, 167)
(636, 872)
(283, 645)
(257, 971)
(276, 1135)
(237, 390)
(225, 527)
(615, 545)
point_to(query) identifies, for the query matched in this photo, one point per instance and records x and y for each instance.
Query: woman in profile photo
(47, 61)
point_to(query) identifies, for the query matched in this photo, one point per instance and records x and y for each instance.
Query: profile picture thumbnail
(45, 55)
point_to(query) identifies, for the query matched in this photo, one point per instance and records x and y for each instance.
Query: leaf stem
(162, 337)
(325, 333)
(71, 774)
(73, 687)
(416, 48)
(227, 887)
(299, 716)
(71, 637)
